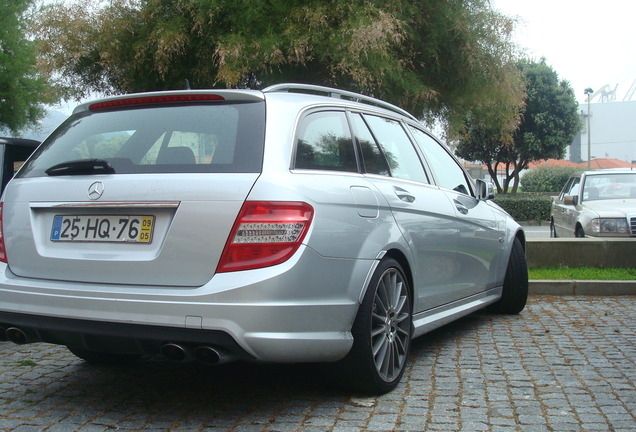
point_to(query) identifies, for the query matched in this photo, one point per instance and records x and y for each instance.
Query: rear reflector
(3, 250)
(265, 234)
(149, 100)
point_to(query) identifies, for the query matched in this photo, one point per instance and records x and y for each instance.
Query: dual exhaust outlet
(204, 353)
(172, 351)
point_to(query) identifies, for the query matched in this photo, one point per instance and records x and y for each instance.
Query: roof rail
(340, 94)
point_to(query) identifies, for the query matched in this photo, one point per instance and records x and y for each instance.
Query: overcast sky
(590, 43)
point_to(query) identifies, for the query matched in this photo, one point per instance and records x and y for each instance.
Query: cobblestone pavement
(564, 364)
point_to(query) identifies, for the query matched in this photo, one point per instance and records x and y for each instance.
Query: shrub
(526, 206)
(547, 178)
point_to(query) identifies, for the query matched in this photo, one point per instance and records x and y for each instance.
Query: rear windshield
(220, 137)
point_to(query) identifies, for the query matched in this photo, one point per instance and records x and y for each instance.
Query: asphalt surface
(564, 364)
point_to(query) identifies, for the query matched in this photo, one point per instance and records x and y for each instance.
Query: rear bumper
(120, 338)
(294, 312)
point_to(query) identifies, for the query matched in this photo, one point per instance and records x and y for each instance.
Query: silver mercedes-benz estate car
(294, 224)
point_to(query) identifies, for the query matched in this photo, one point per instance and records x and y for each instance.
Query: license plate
(95, 228)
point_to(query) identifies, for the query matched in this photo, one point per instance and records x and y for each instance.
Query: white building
(613, 132)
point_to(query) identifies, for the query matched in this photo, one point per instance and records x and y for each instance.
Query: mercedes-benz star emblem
(95, 191)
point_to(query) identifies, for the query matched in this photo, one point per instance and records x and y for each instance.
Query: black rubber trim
(116, 337)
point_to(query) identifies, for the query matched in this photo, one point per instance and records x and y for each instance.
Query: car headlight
(607, 225)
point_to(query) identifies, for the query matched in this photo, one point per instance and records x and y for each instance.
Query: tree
(547, 125)
(436, 58)
(23, 89)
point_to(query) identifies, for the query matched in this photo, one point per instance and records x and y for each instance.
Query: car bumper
(299, 311)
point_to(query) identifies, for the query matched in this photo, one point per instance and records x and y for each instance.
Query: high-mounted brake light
(265, 234)
(150, 100)
(3, 250)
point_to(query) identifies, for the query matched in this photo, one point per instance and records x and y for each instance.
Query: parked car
(596, 204)
(13, 153)
(281, 225)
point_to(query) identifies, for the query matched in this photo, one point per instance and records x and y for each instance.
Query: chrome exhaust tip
(16, 336)
(174, 352)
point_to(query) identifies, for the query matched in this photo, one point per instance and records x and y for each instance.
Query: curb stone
(582, 287)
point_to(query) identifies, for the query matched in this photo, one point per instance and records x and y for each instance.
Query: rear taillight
(3, 250)
(265, 234)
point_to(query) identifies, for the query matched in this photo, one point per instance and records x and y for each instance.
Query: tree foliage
(22, 88)
(548, 123)
(436, 58)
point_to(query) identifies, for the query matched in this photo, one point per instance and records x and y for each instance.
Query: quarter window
(325, 143)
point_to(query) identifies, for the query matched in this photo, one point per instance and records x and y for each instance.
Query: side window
(447, 171)
(374, 161)
(566, 189)
(325, 143)
(574, 187)
(403, 160)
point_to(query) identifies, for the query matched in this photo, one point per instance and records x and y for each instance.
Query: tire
(515, 288)
(579, 233)
(382, 333)
(553, 233)
(104, 359)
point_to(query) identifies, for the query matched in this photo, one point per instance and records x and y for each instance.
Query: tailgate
(150, 229)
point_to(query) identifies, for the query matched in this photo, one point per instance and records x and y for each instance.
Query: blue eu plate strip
(57, 228)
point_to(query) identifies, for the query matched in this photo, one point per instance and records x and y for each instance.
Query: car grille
(632, 226)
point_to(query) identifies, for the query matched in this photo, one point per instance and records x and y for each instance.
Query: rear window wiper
(81, 167)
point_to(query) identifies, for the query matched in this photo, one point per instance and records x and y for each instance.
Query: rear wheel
(101, 358)
(515, 287)
(382, 332)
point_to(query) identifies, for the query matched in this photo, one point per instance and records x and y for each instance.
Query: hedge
(547, 178)
(526, 206)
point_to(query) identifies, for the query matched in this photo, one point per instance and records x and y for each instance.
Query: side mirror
(571, 200)
(485, 191)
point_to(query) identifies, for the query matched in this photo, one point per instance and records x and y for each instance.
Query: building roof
(600, 163)
(606, 163)
(554, 163)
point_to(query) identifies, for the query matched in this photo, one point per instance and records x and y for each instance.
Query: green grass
(582, 273)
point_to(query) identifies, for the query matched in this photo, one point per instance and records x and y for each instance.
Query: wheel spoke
(379, 300)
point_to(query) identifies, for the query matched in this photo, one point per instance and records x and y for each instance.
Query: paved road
(533, 231)
(564, 364)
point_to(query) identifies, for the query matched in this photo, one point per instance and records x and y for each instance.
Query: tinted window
(201, 138)
(324, 143)
(447, 171)
(374, 161)
(397, 148)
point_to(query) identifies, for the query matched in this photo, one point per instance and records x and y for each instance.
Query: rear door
(422, 212)
(141, 191)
